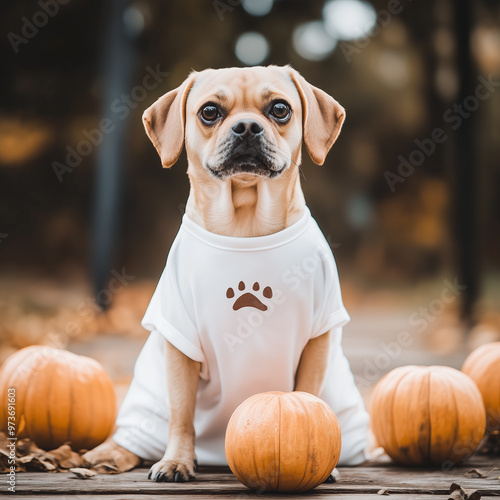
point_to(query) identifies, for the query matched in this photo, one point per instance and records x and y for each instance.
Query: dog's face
(244, 122)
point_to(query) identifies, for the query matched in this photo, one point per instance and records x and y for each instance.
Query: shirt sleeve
(329, 310)
(170, 314)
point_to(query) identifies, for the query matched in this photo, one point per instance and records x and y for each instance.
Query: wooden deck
(374, 480)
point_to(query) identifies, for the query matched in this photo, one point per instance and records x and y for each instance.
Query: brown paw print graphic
(249, 299)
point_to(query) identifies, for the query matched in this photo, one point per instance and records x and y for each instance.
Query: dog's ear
(322, 118)
(165, 121)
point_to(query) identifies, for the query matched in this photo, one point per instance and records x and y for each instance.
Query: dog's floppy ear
(165, 121)
(322, 118)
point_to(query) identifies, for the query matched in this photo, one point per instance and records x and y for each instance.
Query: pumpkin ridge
(72, 402)
(457, 414)
(381, 402)
(427, 453)
(47, 397)
(7, 382)
(20, 372)
(256, 469)
(100, 386)
(300, 486)
(393, 394)
(29, 389)
(91, 422)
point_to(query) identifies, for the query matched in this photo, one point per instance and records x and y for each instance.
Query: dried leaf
(383, 492)
(83, 473)
(491, 445)
(479, 473)
(458, 493)
(3, 441)
(27, 447)
(37, 463)
(4, 461)
(64, 457)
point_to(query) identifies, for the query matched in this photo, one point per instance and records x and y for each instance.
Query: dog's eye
(209, 113)
(280, 111)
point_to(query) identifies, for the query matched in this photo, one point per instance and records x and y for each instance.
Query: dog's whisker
(278, 151)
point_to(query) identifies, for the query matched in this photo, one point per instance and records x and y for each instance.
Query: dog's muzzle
(247, 151)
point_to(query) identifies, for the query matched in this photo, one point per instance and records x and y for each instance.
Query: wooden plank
(356, 478)
(321, 496)
(354, 481)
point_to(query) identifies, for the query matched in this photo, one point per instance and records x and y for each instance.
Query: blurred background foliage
(396, 76)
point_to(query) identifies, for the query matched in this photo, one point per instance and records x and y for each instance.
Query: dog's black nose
(247, 128)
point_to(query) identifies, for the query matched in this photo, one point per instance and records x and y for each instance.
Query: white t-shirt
(245, 308)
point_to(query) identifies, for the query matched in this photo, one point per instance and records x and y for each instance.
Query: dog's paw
(249, 299)
(173, 471)
(333, 477)
(109, 454)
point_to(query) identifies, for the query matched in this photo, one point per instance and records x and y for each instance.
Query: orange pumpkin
(277, 441)
(483, 366)
(59, 397)
(427, 414)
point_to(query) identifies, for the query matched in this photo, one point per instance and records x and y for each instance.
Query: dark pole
(117, 66)
(466, 235)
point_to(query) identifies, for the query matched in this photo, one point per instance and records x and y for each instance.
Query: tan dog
(242, 129)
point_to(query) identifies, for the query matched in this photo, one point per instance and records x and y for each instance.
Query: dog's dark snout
(247, 128)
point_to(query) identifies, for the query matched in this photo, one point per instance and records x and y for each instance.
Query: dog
(249, 300)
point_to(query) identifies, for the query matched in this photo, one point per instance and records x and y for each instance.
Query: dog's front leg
(313, 363)
(311, 373)
(179, 462)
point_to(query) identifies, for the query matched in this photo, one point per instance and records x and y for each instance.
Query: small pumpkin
(59, 397)
(283, 441)
(427, 415)
(483, 366)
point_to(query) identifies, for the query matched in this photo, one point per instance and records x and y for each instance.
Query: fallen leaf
(458, 493)
(4, 461)
(64, 457)
(491, 446)
(36, 463)
(383, 492)
(479, 473)
(83, 473)
(27, 447)
(3, 441)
